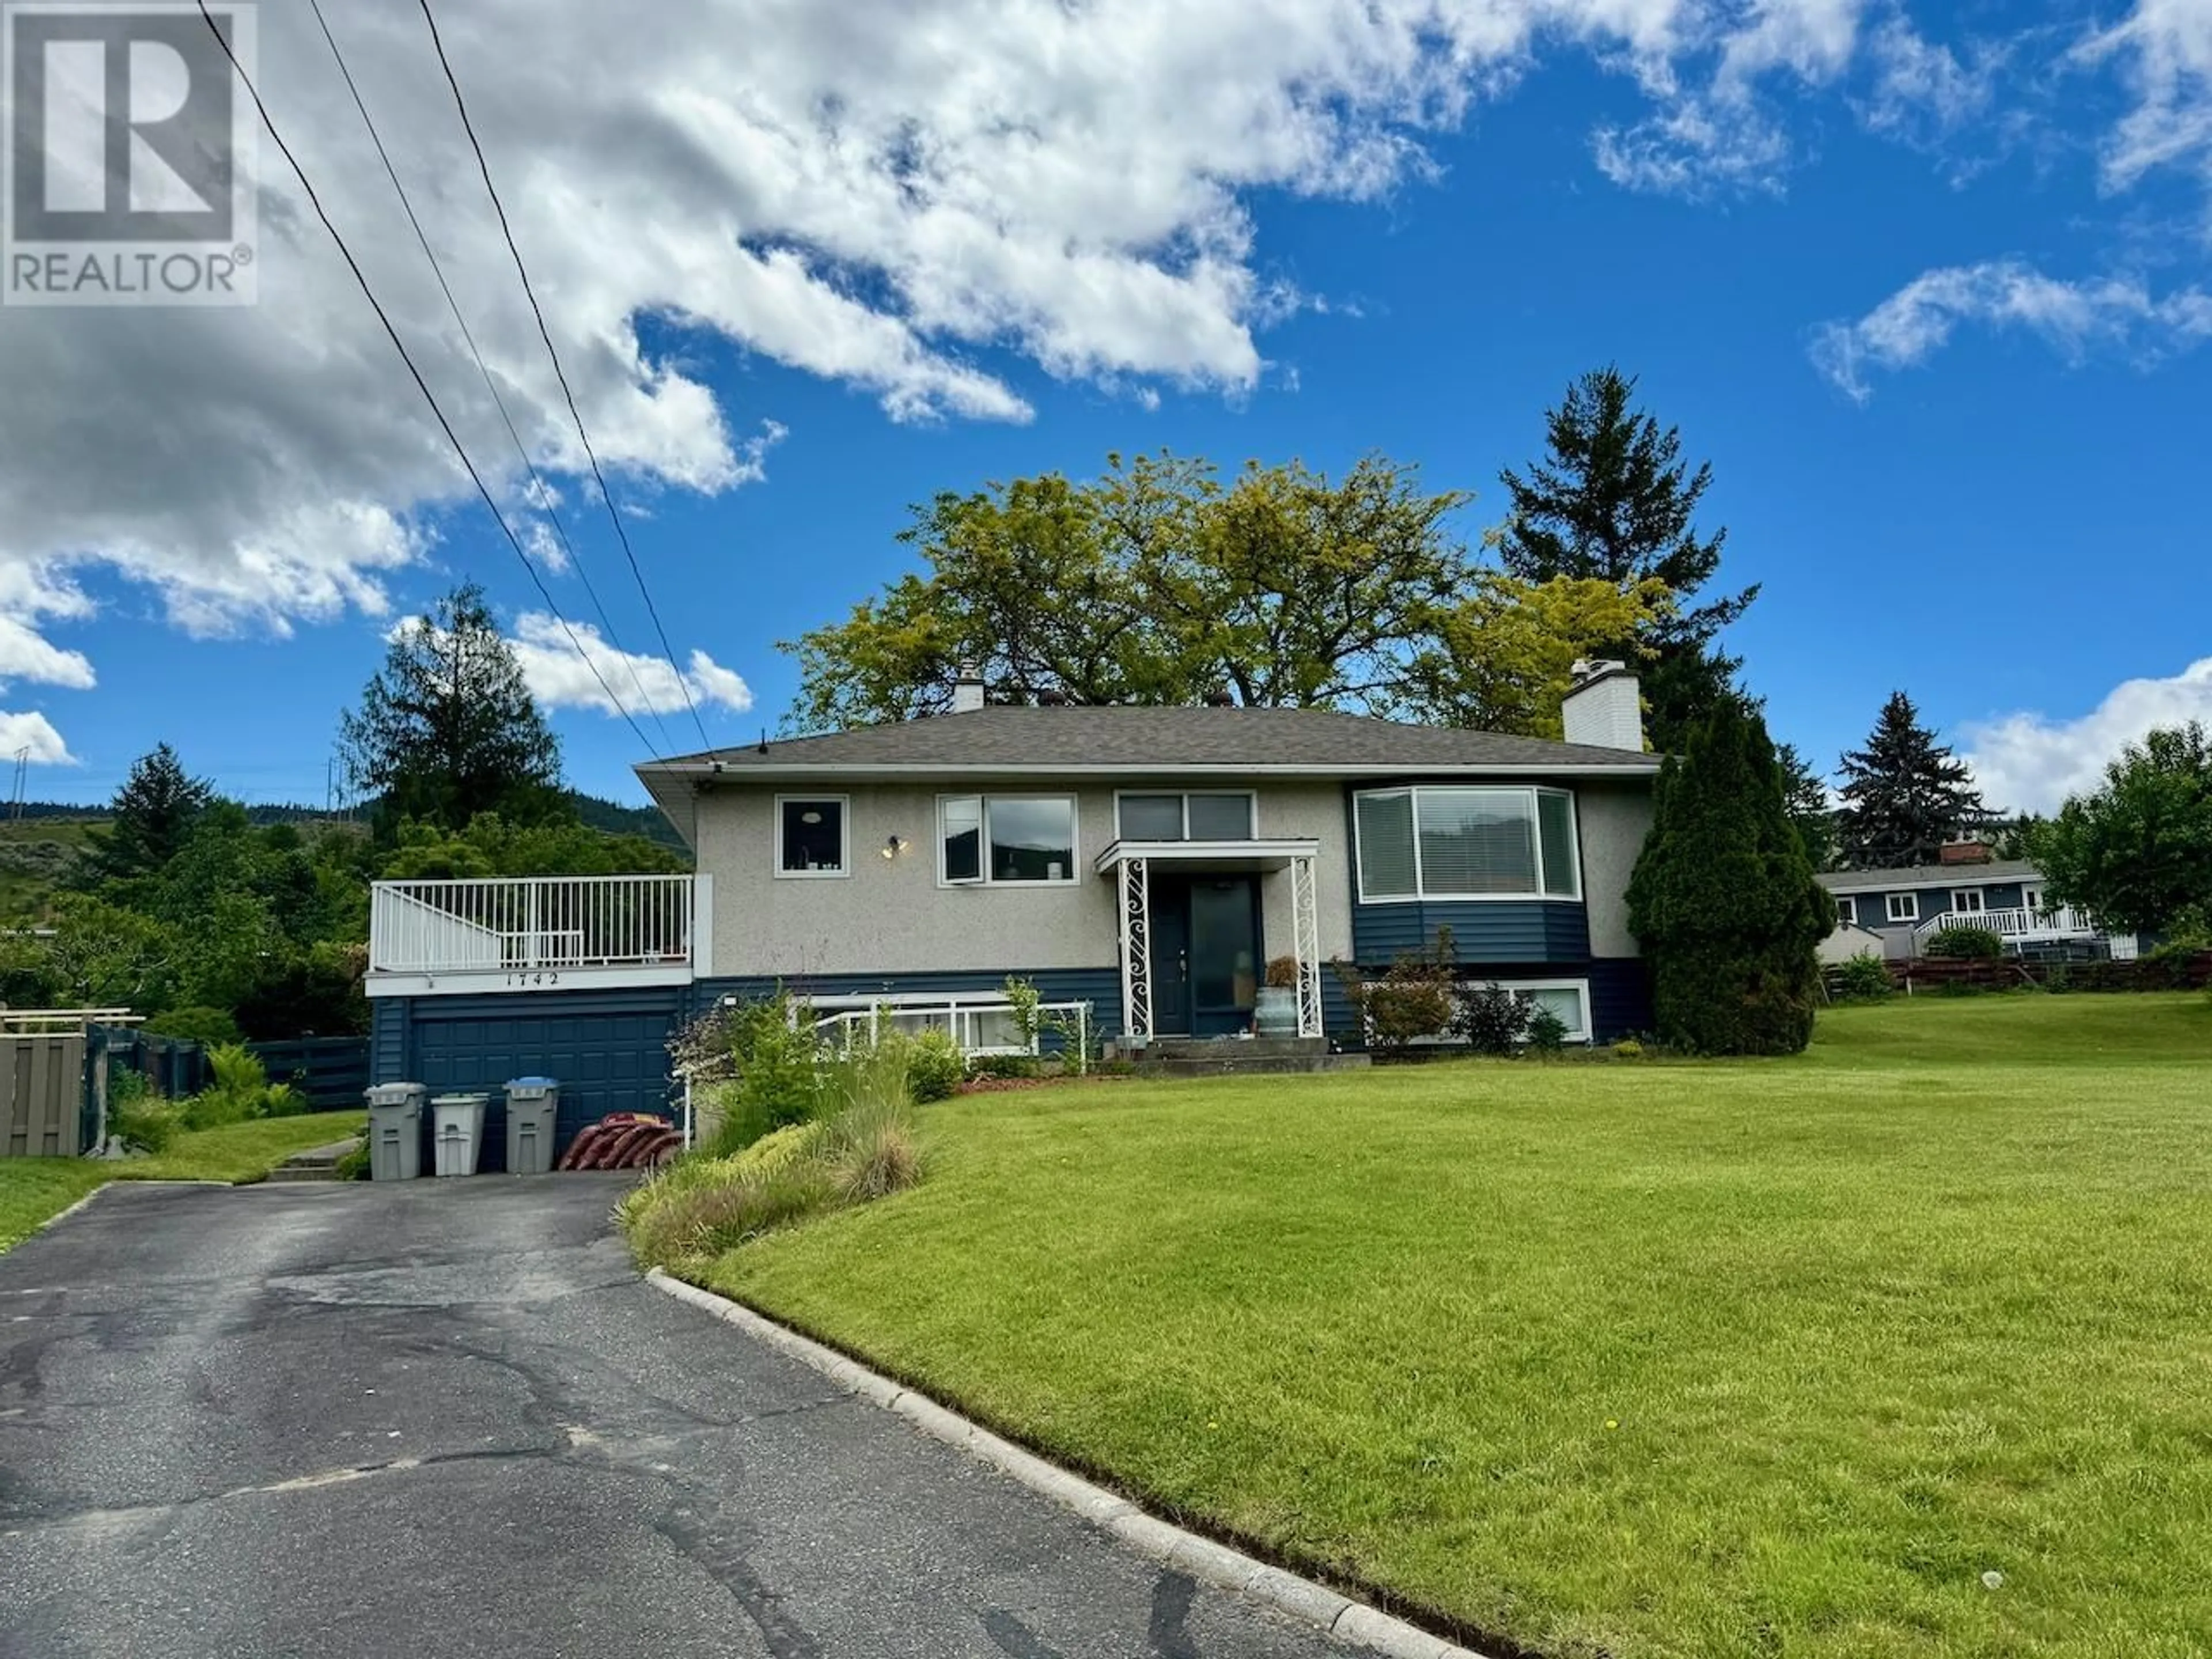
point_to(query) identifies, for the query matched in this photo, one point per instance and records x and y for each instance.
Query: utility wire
(546, 334)
(421, 385)
(543, 497)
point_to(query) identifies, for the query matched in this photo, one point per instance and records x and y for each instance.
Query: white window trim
(1979, 907)
(1910, 902)
(1250, 795)
(1420, 895)
(844, 805)
(987, 880)
(1847, 911)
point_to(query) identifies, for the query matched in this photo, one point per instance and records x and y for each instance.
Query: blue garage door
(606, 1061)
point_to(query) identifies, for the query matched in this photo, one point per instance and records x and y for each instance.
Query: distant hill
(613, 819)
(38, 854)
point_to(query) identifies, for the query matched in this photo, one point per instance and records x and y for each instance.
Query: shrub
(934, 1066)
(1026, 1002)
(1492, 1018)
(241, 1091)
(1547, 1033)
(1416, 998)
(1628, 1048)
(1724, 899)
(210, 1026)
(1006, 1066)
(773, 1058)
(353, 1166)
(148, 1124)
(1864, 979)
(1964, 942)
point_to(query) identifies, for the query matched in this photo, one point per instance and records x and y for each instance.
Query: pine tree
(1613, 499)
(1903, 794)
(1805, 793)
(154, 811)
(449, 729)
(1723, 900)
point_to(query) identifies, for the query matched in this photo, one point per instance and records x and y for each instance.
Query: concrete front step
(316, 1164)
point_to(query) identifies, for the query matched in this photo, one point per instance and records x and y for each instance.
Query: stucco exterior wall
(1613, 822)
(893, 916)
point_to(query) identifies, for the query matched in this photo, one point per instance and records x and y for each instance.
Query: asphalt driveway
(448, 1420)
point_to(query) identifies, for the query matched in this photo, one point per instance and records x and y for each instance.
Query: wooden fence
(2168, 972)
(42, 1087)
(331, 1072)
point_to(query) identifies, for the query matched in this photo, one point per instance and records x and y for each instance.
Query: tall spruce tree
(449, 729)
(1905, 794)
(154, 811)
(1612, 499)
(1723, 900)
(1806, 793)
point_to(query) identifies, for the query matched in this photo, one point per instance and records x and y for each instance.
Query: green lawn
(1749, 1358)
(34, 1190)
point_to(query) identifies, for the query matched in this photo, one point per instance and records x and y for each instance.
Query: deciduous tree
(2137, 852)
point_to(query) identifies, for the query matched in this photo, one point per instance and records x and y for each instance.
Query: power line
(421, 385)
(546, 334)
(543, 497)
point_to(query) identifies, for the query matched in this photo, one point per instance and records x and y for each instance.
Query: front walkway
(449, 1418)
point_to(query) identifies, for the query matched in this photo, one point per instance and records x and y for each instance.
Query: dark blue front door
(1205, 954)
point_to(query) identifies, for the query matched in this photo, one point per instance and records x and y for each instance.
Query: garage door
(605, 1062)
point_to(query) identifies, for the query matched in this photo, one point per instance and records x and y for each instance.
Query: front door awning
(1230, 858)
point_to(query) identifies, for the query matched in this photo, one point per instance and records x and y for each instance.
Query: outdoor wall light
(894, 845)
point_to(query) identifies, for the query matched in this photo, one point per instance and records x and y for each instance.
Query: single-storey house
(1904, 909)
(1141, 866)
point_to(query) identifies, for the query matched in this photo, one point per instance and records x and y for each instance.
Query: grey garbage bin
(395, 1130)
(532, 1104)
(457, 1123)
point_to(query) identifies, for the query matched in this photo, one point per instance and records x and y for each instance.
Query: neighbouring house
(1903, 910)
(1141, 866)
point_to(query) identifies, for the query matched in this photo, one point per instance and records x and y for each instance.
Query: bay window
(1466, 843)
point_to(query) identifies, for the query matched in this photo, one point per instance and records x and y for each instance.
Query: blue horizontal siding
(1483, 932)
(1874, 907)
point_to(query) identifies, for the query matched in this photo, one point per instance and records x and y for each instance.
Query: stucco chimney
(967, 689)
(1605, 710)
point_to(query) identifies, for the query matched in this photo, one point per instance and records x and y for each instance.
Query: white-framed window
(1007, 840)
(1970, 901)
(1450, 842)
(1186, 815)
(1847, 911)
(1903, 907)
(813, 836)
(2030, 898)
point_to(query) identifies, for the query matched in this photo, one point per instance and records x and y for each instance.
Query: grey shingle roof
(1152, 739)
(1929, 875)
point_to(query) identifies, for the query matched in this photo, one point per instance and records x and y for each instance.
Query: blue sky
(1906, 278)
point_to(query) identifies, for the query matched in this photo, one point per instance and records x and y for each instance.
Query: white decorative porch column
(1136, 949)
(1305, 945)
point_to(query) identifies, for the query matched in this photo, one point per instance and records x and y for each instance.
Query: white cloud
(35, 732)
(559, 678)
(2074, 318)
(1698, 147)
(2031, 762)
(1921, 89)
(2164, 47)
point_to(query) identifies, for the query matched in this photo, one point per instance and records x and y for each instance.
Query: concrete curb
(1348, 1621)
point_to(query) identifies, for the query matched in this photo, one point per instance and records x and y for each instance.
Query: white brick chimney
(968, 690)
(1605, 710)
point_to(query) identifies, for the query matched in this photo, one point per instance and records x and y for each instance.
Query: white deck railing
(529, 923)
(2016, 925)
